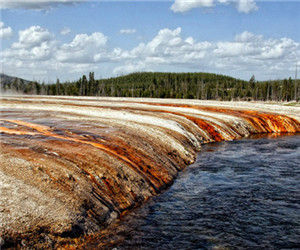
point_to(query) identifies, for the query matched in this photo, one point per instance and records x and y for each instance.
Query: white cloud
(32, 55)
(32, 37)
(244, 6)
(168, 47)
(35, 43)
(83, 49)
(34, 4)
(38, 44)
(5, 32)
(186, 5)
(127, 31)
(234, 49)
(38, 52)
(246, 53)
(65, 31)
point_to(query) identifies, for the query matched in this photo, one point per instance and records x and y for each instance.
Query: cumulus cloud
(38, 55)
(244, 6)
(248, 52)
(38, 51)
(34, 4)
(83, 49)
(65, 31)
(5, 32)
(186, 5)
(127, 31)
(168, 47)
(35, 43)
(32, 37)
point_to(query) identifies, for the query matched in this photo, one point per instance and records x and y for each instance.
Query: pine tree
(91, 84)
(84, 85)
(57, 87)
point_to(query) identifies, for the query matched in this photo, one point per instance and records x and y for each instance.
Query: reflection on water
(240, 194)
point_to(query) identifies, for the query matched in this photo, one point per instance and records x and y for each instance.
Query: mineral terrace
(71, 166)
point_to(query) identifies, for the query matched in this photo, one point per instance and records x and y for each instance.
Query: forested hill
(7, 81)
(203, 86)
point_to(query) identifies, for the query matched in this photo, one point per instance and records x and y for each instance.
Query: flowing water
(240, 194)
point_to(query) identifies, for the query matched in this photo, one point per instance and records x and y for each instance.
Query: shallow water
(240, 194)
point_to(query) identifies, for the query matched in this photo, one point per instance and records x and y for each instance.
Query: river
(239, 194)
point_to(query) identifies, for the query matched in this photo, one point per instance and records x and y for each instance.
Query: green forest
(204, 86)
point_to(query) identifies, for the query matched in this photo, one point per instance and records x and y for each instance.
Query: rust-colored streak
(116, 152)
(262, 121)
(265, 122)
(119, 197)
(37, 127)
(206, 126)
(16, 132)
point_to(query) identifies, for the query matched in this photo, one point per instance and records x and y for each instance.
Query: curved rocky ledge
(70, 166)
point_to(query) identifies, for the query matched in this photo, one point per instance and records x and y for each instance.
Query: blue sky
(43, 40)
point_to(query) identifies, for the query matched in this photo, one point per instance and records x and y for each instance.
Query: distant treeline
(204, 86)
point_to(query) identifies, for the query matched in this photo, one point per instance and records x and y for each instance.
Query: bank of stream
(238, 194)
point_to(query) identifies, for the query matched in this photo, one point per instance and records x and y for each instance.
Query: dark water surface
(240, 194)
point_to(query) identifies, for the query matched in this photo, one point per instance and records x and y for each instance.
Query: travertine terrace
(70, 166)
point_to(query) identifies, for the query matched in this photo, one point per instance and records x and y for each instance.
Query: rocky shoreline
(71, 166)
